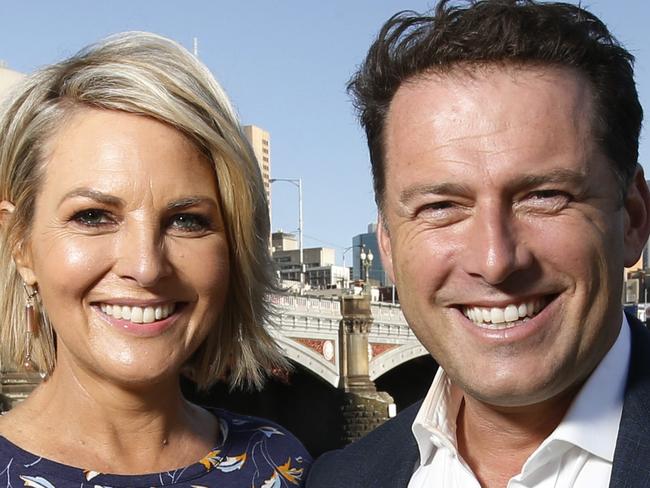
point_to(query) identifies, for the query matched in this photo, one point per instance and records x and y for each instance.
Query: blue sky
(284, 65)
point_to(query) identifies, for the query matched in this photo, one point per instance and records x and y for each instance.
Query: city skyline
(285, 66)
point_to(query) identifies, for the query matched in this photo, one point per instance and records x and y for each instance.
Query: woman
(134, 248)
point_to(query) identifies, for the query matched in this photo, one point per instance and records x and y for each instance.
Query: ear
(637, 218)
(6, 212)
(22, 254)
(385, 248)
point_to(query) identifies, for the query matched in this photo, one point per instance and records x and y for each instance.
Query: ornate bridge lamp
(366, 262)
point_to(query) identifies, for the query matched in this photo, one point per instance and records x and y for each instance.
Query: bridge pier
(364, 408)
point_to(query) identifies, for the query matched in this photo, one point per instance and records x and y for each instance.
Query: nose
(495, 246)
(141, 255)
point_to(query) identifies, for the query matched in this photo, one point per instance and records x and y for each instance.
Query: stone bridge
(307, 329)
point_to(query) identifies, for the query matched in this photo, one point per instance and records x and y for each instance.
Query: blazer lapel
(631, 467)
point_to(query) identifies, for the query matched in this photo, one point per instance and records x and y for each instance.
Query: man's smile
(504, 317)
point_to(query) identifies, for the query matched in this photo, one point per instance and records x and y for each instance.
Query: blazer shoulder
(629, 467)
(390, 443)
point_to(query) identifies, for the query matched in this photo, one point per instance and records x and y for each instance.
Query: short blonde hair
(150, 75)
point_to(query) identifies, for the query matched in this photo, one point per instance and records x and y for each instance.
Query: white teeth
(126, 312)
(485, 314)
(522, 310)
(148, 315)
(511, 313)
(530, 308)
(138, 315)
(502, 318)
(496, 314)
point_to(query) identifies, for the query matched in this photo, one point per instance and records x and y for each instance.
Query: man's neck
(496, 442)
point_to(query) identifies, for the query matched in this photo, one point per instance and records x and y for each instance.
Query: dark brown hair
(480, 32)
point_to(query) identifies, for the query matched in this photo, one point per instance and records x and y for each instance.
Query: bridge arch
(393, 358)
(310, 359)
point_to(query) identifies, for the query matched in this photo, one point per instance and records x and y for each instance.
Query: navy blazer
(388, 456)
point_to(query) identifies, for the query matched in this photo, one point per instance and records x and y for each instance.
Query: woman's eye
(92, 217)
(189, 223)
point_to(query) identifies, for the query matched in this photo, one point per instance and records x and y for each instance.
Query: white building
(321, 271)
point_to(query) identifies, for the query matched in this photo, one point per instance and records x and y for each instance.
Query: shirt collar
(597, 408)
(435, 424)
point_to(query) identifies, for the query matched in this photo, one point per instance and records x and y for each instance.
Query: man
(504, 140)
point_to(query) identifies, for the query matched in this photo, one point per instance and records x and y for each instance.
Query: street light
(345, 251)
(366, 262)
(349, 248)
(297, 182)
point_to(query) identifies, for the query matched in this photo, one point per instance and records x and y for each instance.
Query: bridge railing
(389, 320)
(315, 305)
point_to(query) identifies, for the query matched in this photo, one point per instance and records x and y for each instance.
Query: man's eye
(189, 223)
(436, 207)
(92, 217)
(547, 200)
(441, 213)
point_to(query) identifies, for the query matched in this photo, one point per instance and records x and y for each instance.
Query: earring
(32, 327)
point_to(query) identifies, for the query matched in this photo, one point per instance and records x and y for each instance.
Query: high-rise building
(261, 142)
(283, 241)
(368, 241)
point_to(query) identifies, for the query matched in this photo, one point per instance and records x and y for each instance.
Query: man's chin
(512, 397)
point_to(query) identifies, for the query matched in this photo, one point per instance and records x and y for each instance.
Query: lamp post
(363, 257)
(297, 182)
(345, 251)
(366, 262)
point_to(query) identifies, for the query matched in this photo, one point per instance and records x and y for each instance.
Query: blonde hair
(150, 75)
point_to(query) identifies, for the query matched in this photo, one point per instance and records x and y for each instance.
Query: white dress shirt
(577, 454)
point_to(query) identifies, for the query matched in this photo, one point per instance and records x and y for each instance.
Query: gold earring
(33, 328)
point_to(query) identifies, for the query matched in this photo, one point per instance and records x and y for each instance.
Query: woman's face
(127, 247)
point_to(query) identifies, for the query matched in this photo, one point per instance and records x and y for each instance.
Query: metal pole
(302, 265)
(298, 183)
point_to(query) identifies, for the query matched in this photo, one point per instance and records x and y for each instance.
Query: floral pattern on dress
(251, 453)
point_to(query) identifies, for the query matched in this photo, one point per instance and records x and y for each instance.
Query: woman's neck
(91, 423)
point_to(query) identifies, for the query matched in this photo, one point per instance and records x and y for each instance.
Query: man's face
(504, 229)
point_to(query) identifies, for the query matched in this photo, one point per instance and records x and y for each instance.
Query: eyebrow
(190, 201)
(432, 189)
(560, 175)
(98, 196)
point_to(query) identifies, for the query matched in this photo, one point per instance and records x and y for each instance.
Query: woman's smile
(142, 321)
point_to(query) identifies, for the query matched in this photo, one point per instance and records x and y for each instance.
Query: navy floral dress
(252, 453)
